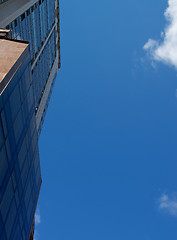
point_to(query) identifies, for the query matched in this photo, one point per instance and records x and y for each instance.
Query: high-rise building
(29, 62)
(20, 176)
(36, 21)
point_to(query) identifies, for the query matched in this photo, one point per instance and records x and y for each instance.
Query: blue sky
(108, 144)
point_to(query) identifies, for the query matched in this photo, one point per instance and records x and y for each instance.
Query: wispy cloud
(37, 217)
(168, 204)
(36, 236)
(165, 49)
(37, 222)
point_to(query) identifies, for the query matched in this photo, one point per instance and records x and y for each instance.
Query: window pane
(6, 201)
(3, 164)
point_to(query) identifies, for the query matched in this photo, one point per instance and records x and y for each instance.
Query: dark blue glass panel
(14, 101)
(1, 224)
(8, 117)
(3, 235)
(1, 135)
(3, 164)
(18, 126)
(7, 199)
(10, 219)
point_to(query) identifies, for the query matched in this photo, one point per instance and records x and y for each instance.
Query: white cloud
(37, 217)
(37, 222)
(36, 235)
(168, 204)
(165, 50)
(150, 44)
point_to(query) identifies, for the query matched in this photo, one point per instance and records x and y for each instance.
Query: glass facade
(42, 68)
(36, 25)
(23, 105)
(20, 176)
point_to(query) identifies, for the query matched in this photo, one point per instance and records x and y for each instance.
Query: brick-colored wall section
(10, 51)
(12, 54)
